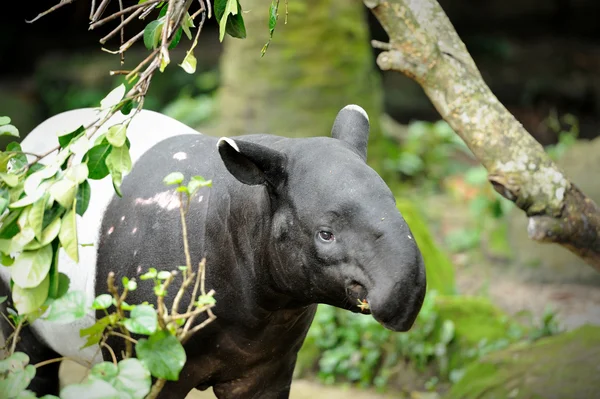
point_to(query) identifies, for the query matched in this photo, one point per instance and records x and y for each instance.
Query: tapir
(287, 224)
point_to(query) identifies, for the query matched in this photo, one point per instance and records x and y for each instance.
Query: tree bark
(316, 64)
(424, 46)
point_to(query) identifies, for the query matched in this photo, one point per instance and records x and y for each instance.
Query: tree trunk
(317, 63)
(424, 46)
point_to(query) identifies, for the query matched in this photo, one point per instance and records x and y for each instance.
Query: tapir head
(335, 233)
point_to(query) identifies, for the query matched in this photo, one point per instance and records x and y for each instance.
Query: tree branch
(425, 46)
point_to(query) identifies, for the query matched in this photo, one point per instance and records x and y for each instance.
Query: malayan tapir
(288, 223)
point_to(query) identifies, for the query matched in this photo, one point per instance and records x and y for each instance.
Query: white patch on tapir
(359, 109)
(168, 200)
(110, 230)
(230, 142)
(122, 218)
(180, 156)
(145, 130)
(134, 230)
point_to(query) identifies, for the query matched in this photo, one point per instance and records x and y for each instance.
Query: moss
(563, 366)
(318, 62)
(440, 272)
(475, 318)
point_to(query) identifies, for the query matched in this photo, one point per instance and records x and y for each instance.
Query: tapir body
(287, 224)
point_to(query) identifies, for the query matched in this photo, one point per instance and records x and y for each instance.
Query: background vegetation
(489, 287)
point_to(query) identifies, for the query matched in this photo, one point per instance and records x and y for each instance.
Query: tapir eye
(326, 236)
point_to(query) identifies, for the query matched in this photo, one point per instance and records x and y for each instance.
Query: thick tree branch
(425, 47)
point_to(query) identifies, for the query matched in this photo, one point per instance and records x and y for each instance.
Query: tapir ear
(252, 163)
(352, 126)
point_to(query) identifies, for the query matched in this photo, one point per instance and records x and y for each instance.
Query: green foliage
(273, 16)
(162, 354)
(567, 130)
(426, 153)
(439, 269)
(450, 333)
(229, 16)
(562, 366)
(15, 374)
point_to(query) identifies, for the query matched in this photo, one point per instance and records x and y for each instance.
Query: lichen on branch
(424, 46)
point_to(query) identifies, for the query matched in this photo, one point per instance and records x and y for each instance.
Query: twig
(112, 352)
(118, 302)
(121, 25)
(122, 31)
(15, 335)
(123, 12)
(51, 9)
(118, 334)
(199, 275)
(46, 362)
(100, 10)
(92, 8)
(130, 42)
(156, 388)
(8, 320)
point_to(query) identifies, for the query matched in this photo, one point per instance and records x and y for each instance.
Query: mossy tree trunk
(317, 63)
(424, 46)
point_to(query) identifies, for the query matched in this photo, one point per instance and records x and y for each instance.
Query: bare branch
(425, 47)
(51, 9)
(121, 25)
(150, 4)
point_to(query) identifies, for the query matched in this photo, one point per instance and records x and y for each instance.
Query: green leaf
(162, 354)
(4, 120)
(3, 299)
(68, 235)
(10, 179)
(77, 173)
(18, 161)
(235, 24)
(9, 130)
(176, 39)
(84, 193)
(18, 242)
(114, 97)
(62, 287)
(66, 139)
(119, 160)
(32, 267)
(116, 135)
(15, 374)
(29, 300)
(94, 332)
(91, 389)
(130, 377)
(64, 191)
(152, 33)
(102, 301)
(273, 16)
(197, 182)
(48, 235)
(150, 274)
(163, 275)
(142, 320)
(173, 178)
(189, 63)
(9, 226)
(222, 10)
(96, 161)
(68, 308)
(36, 216)
(206, 300)
(186, 24)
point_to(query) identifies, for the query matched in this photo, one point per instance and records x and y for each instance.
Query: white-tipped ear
(227, 140)
(352, 126)
(252, 163)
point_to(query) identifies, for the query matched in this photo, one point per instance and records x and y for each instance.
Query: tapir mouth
(357, 296)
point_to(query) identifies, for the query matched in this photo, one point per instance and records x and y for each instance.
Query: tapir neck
(242, 239)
